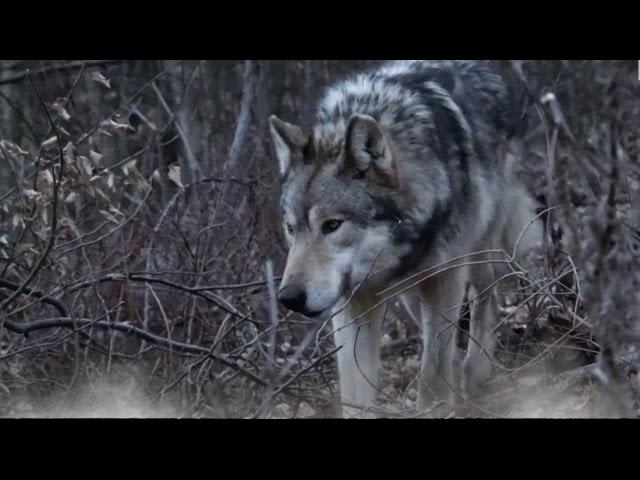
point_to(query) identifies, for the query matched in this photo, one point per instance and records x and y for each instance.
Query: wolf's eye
(289, 228)
(331, 226)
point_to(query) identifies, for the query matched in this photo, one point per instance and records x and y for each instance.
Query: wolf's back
(473, 86)
(486, 101)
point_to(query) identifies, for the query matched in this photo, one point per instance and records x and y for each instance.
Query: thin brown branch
(54, 207)
(18, 77)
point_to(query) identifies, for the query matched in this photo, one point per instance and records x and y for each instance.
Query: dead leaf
(69, 151)
(73, 197)
(17, 221)
(102, 194)
(12, 147)
(49, 143)
(30, 194)
(98, 77)
(174, 175)
(96, 158)
(113, 125)
(156, 176)
(59, 106)
(116, 212)
(64, 114)
(108, 216)
(59, 102)
(44, 214)
(129, 166)
(84, 163)
(45, 180)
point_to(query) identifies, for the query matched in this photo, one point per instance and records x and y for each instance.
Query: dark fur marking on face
(421, 246)
(386, 209)
(346, 283)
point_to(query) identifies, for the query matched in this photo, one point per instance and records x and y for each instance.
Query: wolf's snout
(293, 298)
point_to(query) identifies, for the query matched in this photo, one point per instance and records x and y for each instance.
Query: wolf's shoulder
(473, 85)
(393, 86)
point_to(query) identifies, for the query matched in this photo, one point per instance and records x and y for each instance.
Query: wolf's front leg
(358, 359)
(439, 367)
(478, 363)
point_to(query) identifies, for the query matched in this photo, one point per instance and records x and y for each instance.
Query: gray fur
(408, 159)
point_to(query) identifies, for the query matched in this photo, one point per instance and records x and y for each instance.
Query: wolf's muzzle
(293, 298)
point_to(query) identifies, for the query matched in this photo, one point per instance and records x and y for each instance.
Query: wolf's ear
(288, 142)
(367, 150)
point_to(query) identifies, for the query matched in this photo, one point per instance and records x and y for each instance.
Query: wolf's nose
(293, 298)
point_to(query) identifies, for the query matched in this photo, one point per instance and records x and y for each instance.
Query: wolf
(402, 188)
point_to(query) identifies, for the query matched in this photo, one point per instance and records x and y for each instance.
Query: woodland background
(140, 240)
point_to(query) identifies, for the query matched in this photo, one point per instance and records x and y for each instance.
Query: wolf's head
(338, 209)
